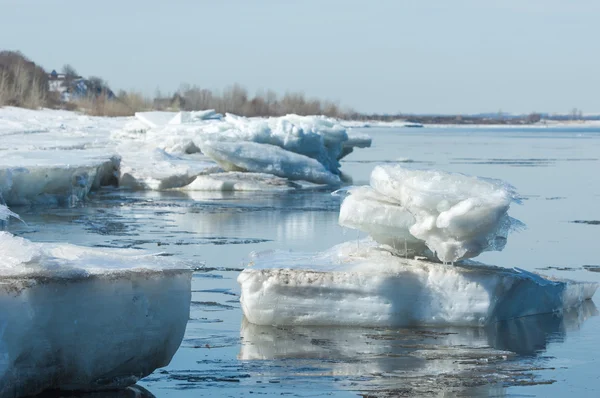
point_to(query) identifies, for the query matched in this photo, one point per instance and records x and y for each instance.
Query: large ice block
(450, 216)
(321, 139)
(35, 177)
(86, 319)
(145, 168)
(361, 284)
(270, 159)
(57, 157)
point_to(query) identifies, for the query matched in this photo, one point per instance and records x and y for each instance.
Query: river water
(557, 173)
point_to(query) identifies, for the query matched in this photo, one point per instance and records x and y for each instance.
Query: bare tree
(22, 82)
(69, 72)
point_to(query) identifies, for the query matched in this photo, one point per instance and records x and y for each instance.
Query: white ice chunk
(319, 138)
(457, 216)
(454, 215)
(359, 284)
(70, 146)
(355, 140)
(237, 181)
(155, 119)
(381, 217)
(80, 318)
(155, 169)
(195, 116)
(5, 214)
(270, 159)
(46, 177)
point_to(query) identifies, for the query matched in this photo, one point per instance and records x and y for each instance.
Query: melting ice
(78, 318)
(383, 281)
(58, 157)
(453, 215)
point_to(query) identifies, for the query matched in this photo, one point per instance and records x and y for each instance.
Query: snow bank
(81, 319)
(453, 215)
(359, 284)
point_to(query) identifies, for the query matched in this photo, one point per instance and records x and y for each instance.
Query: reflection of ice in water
(134, 391)
(411, 356)
(288, 217)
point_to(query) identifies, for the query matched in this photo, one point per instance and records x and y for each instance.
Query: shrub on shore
(22, 82)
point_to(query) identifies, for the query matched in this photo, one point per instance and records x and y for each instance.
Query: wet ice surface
(222, 355)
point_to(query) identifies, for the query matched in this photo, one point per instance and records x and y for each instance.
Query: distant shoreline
(474, 124)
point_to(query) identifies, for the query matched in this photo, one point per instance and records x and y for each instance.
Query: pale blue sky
(461, 56)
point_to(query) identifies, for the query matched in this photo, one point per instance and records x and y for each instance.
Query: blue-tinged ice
(413, 269)
(77, 318)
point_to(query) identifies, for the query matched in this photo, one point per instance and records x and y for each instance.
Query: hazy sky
(375, 56)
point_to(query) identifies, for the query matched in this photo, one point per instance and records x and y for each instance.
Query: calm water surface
(557, 172)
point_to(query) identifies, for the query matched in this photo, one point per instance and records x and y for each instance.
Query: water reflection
(460, 356)
(531, 335)
(129, 392)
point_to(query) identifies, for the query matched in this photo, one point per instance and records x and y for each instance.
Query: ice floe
(149, 168)
(270, 159)
(395, 278)
(34, 177)
(58, 157)
(77, 318)
(362, 284)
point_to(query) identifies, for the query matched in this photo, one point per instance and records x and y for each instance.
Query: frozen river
(556, 172)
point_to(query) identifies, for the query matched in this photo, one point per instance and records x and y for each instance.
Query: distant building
(75, 87)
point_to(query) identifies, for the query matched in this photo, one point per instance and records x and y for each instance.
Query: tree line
(25, 84)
